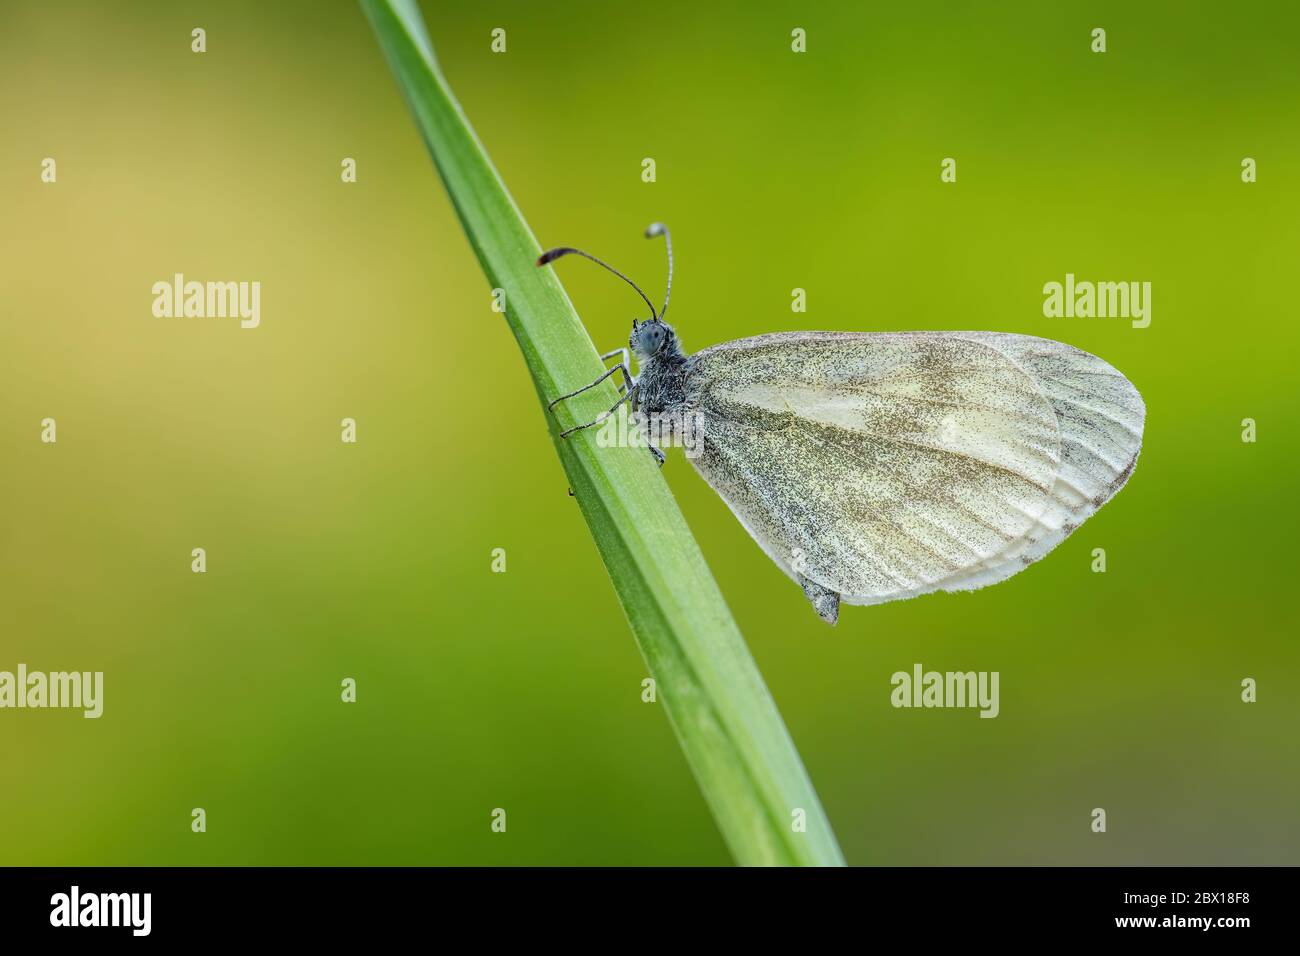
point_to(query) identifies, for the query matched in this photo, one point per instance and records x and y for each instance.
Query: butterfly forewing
(886, 465)
(1101, 417)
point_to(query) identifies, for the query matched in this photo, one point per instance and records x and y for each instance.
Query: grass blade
(723, 715)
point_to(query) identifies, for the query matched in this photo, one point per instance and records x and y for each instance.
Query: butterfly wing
(1100, 415)
(882, 466)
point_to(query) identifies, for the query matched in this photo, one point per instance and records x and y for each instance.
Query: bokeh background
(522, 690)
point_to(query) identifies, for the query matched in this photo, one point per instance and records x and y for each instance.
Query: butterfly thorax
(661, 368)
(661, 385)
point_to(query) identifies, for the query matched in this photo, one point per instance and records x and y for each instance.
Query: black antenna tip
(550, 255)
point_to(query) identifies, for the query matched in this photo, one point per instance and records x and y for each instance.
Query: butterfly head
(653, 339)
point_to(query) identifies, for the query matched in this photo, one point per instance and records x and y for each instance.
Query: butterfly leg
(647, 436)
(824, 601)
(601, 417)
(622, 366)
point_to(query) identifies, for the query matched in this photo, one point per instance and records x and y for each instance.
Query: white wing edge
(1101, 417)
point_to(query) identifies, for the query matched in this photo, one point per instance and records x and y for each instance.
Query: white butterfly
(878, 466)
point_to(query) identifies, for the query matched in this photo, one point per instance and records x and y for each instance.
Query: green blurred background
(522, 690)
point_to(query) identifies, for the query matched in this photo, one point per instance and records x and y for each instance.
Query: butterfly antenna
(659, 229)
(550, 255)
